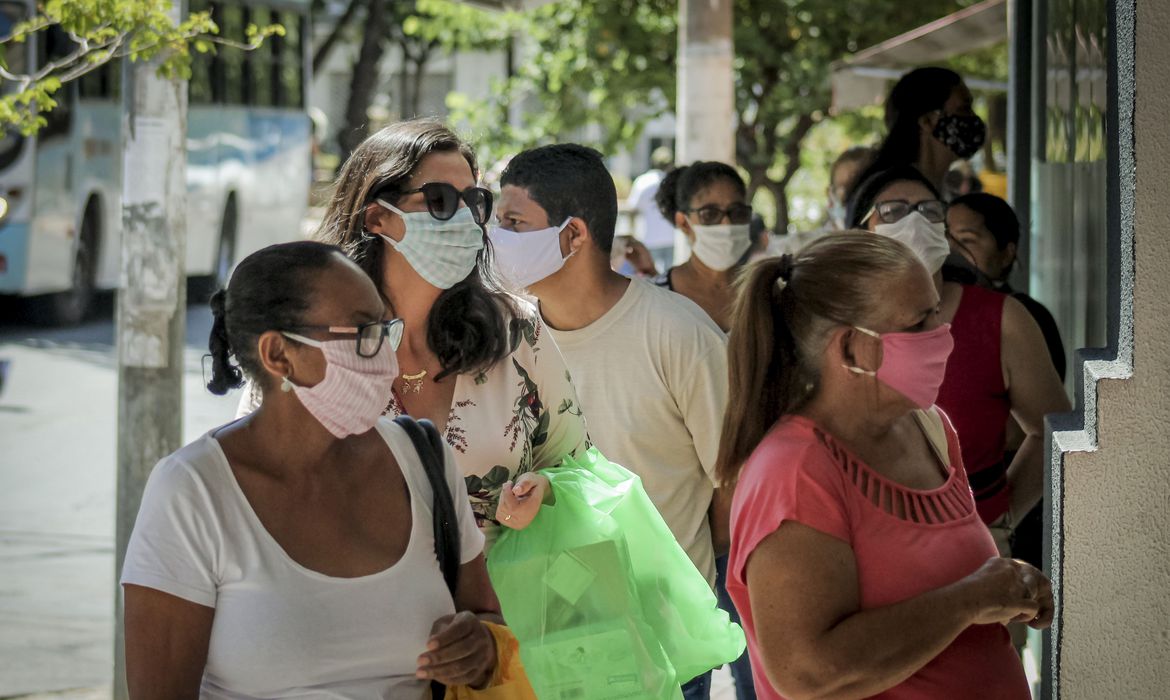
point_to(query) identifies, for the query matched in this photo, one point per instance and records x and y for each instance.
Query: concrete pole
(705, 108)
(151, 295)
(706, 83)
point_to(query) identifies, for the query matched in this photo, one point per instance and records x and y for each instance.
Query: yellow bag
(509, 681)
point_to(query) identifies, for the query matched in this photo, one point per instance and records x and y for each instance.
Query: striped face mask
(442, 252)
(355, 390)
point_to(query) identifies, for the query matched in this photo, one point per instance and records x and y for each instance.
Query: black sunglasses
(711, 215)
(370, 336)
(442, 200)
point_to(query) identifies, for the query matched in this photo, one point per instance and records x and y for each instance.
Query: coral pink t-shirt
(913, 542)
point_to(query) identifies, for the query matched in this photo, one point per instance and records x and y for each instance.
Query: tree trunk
(792, 149)
(365, 79)
(404, 82)
(419, 67)
(780, 194)
(321, 54)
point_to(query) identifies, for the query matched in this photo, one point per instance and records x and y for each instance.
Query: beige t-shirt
(651, 375)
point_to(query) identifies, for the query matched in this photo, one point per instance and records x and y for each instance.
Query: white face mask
(928, 240)
(525, 258)
(721, 246)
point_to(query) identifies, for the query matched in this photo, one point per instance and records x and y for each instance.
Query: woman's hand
(640, 258)
(520, 502)
(1009, 590)
(461, 651)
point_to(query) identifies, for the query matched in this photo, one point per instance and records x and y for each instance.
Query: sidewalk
(58, 415)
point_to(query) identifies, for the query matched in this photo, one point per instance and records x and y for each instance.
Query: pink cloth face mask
(913, 364)
(355, 390)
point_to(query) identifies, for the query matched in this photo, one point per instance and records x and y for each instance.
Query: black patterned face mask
(964, 135)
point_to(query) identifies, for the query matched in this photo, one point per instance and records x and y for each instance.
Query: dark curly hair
(270, 289)
(683, 183)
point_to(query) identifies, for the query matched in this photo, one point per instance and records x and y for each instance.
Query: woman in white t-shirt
(291, 553)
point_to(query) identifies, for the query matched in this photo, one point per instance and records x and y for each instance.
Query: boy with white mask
(650, 367)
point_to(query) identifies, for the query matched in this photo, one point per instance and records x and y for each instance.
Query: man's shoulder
(677, 314)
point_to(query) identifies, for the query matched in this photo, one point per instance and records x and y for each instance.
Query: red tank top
(973, 395)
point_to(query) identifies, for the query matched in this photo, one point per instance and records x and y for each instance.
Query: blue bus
(248, 161)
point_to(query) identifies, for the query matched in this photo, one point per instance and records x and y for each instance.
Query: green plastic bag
(604, 601)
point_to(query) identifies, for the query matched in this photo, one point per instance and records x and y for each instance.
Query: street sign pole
(151, 294)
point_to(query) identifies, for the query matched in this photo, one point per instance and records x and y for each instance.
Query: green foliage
(592, 71)
(457, 26)
(990, 63)
(785, 53)
(103, 31)
(599, 70)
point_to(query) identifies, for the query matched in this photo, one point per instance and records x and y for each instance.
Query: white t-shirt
(651, 375)
(282, 630)
(652, 228)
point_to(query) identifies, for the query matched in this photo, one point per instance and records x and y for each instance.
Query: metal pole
(1020, 117)
(705, 108)
(151, 295)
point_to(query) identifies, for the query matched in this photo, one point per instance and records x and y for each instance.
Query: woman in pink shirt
(858, 560)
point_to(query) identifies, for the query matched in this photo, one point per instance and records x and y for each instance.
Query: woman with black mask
(931, 124)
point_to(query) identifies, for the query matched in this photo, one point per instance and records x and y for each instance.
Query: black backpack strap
(429, 445)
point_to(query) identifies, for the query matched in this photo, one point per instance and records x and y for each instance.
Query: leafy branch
(101, 32)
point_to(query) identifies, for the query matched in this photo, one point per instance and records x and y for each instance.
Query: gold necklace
(413, 383)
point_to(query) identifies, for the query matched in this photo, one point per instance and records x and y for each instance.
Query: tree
(598, 71)
(607, 65)
(784, 57)
(102, 31)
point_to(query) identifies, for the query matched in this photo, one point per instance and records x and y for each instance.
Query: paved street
(58, 411)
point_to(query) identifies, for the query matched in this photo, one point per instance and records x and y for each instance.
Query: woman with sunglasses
(290, 553)
(707, 201)
(999, 367)
(475, 361)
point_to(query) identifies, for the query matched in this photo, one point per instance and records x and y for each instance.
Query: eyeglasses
(442, 200)
(370, 336)
(895, 210)
(711, 215)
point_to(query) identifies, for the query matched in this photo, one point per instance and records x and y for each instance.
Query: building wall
(1114, 639)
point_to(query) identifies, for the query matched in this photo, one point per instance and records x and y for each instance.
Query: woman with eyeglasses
(999, 367)
(290, 553)
(474, 360)
(707, 201)
(930, 124)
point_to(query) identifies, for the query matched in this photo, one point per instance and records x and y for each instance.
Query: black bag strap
(429, 445)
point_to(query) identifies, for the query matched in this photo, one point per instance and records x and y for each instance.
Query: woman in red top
(858, 561)
(999, 367)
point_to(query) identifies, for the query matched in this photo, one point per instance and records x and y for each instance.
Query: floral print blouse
(519, 416)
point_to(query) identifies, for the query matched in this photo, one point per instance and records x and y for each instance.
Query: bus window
(200, 91)
(230, 81)
(105, 83)
(291, 89)
(262, 73)
(16, 56)
(55, 44)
